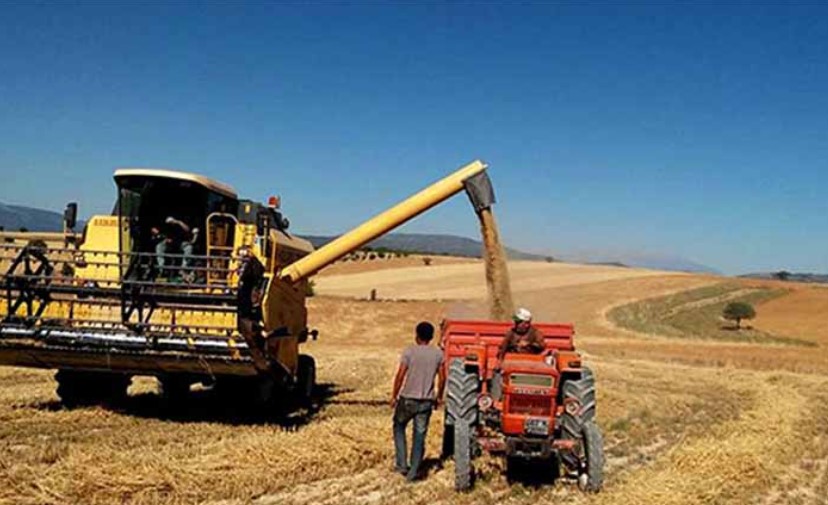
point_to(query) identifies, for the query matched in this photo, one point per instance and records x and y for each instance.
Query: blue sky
(698, 131)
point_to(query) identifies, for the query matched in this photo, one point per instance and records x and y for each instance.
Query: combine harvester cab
(101, 306)
(530, 408)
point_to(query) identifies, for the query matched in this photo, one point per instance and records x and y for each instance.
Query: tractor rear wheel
(80, 388)
(448, 440)
(461, 414)
(586, 394)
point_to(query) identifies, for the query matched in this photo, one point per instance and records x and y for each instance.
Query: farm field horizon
(687, 418)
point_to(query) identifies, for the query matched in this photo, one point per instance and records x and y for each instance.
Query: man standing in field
(413, 398)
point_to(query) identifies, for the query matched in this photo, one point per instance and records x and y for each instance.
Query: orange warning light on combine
(273, 202)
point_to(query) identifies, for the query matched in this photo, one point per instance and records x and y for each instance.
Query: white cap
(522, 315)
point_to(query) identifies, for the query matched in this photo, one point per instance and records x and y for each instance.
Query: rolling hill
(15, 217)
(430, 243)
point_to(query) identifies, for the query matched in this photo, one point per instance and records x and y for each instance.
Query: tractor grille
(530, 405)
(525, 379)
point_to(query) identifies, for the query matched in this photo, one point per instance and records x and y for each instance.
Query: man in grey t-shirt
(413, 397)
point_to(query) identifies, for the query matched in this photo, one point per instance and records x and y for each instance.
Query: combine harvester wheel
(82, 388)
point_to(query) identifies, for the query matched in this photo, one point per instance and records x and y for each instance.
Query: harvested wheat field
(463, 280)
(688, 417)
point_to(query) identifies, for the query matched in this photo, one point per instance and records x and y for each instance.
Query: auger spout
(470, 176)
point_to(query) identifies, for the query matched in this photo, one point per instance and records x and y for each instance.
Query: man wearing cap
(522, 337)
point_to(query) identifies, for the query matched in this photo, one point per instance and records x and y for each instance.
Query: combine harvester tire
(78, 389)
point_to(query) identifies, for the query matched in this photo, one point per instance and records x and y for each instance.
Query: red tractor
(531, 408)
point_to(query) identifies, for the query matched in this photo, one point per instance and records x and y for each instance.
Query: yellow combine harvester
(108, 303)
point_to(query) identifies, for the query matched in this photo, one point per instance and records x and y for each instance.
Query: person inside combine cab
(413, 398)
(522, 337)
(172, 237)
(249, 306)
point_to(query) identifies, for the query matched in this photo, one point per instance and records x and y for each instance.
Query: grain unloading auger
(104, 305)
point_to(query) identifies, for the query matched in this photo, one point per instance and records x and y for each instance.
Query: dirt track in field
(684, 422)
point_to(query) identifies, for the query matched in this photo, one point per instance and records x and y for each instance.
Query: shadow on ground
(533, 473)
(210, 407)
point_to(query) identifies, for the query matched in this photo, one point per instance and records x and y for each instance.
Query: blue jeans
(163, 248)
(406, 410)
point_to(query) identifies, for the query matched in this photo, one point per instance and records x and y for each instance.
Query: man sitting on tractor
(522, 338)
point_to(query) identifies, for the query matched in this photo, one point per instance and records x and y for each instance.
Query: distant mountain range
(655, 261)
(789, 276)
(14, 217)
(431, 243)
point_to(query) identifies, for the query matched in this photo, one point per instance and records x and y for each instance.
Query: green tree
(736, 311)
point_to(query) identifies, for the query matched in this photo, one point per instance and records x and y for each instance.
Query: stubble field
(686, 420)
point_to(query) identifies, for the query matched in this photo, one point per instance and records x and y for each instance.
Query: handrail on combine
(36, 278)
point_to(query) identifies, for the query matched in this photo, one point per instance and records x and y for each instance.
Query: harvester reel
(31, 284)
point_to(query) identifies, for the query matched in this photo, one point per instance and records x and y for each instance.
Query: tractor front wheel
(591, 471)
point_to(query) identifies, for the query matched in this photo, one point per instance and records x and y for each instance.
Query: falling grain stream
(501, 306)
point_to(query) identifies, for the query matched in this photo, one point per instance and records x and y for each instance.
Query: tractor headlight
(484, 402)
(535, 426)
(549, 359)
